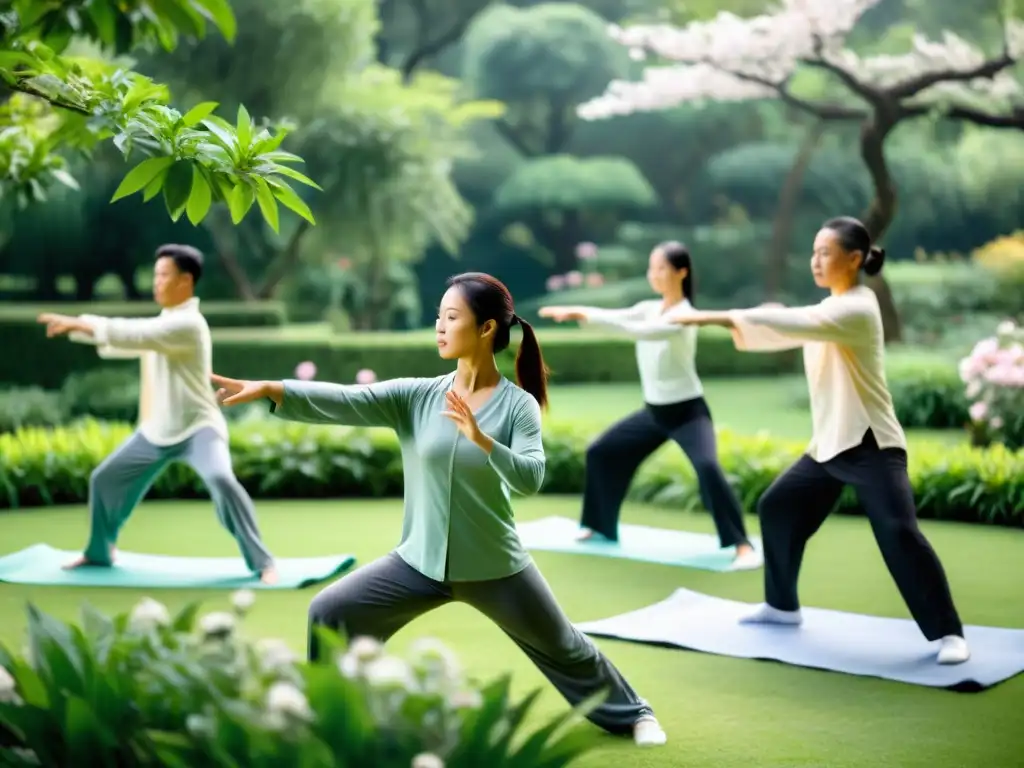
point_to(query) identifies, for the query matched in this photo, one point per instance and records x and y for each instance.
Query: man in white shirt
(179, 417)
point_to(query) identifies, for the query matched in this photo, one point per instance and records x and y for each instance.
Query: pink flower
(978, 410)
(344, 263)
(366, 376)
(305, 371)
(555, 283)
(595, 279)
(996, 423)
(574, 278)
(586, 251)
(973, 389)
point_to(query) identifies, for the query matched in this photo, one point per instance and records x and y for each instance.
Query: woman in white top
(856, 439)
(674, 407)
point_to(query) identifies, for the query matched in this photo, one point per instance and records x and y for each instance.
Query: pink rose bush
(994, 378)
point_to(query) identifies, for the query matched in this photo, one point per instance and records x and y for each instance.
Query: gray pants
(380, 598)
(118, 485)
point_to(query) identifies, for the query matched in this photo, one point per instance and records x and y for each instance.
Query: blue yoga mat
(41, 565)
(856, 644)
(636, 542)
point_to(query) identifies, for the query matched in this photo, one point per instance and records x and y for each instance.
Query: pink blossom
(996, 423)
(595, 279)
(574, 279)
(366, 376)
(978, 410)
(973, 389)
(555, 283)
(305, 371)
(586, 251)
(344, 263)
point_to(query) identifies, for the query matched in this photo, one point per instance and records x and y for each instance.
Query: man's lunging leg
(208, 454)
(115, 488)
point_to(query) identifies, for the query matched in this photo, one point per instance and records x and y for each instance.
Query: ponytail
(531, 370)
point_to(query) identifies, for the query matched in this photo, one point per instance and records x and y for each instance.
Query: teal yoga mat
(41, 564)
(636, 542)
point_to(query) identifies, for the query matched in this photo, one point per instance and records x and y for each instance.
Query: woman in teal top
(468, 439)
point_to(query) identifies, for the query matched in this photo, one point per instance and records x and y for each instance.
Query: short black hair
(186, 259)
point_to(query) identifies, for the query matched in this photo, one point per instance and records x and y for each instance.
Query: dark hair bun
(874, 261)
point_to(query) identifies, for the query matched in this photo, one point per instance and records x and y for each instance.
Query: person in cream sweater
(856, 440)
(179, 416)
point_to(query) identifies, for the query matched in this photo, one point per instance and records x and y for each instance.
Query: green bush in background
(285, 460)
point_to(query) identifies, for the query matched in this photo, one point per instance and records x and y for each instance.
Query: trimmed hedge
(574, 356)
(29, 359)
(287, 460)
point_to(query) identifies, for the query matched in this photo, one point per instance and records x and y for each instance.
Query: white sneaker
(647, 732)
(765, 614)
(953, 650)
(748, 561)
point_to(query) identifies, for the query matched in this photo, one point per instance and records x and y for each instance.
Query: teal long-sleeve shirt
(459, 523)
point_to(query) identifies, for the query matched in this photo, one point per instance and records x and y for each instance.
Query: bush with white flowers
(994, 376)
(150, 689)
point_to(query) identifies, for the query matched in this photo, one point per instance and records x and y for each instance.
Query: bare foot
(584, 534)
(269, 575)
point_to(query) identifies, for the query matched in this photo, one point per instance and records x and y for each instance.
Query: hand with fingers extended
(460, 413)
(59, 325)
(239, 391)
(563, 314)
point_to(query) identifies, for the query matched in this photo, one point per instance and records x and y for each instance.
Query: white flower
(217, 625)
(148, 614)
(243, 600)
(285, 699)
(427, 760)
(435, 659)
(365, 649)
(275, 654)
(1005, 328)
(468, 699)
(388, 672)
(349, 666)
(7, 687)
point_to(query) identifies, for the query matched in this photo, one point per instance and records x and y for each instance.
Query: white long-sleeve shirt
(665, 351)
(176, 357)
(844, 360)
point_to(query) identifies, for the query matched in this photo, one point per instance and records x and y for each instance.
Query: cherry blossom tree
(736, 59)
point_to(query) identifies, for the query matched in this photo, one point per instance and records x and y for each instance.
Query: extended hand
(239, 391)
(460, 412)
(561, 314)
(58, 325)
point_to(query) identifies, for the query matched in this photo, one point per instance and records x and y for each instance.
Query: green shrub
(275, 459)
(30, 359)
(30, 407)
(145, 689)
(107, 394)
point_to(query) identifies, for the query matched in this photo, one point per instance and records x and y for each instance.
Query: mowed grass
(719, 712)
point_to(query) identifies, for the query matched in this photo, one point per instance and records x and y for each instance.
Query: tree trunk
(225, 240)
(879, 216)
(284, 263)
(785, 214)
(85, 286)
(131, 290)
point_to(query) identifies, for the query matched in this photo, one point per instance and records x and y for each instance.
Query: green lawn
(742, 405)
(719, 712)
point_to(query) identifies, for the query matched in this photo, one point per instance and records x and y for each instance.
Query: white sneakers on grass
(953, 649)
(647, 732)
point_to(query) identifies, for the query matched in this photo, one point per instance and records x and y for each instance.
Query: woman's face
(662, 276)
(458, 334)
(831, 265)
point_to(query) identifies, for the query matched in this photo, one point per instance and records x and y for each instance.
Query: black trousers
(797, 503)
(380, 598)
(613, 459)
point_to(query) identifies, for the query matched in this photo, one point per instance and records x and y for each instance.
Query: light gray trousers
(118, 485)
(380, 598)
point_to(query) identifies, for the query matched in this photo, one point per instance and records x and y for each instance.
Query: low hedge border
(286, 460)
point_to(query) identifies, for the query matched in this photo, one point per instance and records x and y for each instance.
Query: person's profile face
(458, 334)
(831, 264)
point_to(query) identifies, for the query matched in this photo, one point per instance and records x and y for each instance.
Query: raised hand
(561, 314)
(239, 391)
(57, 325)
(460, 412)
